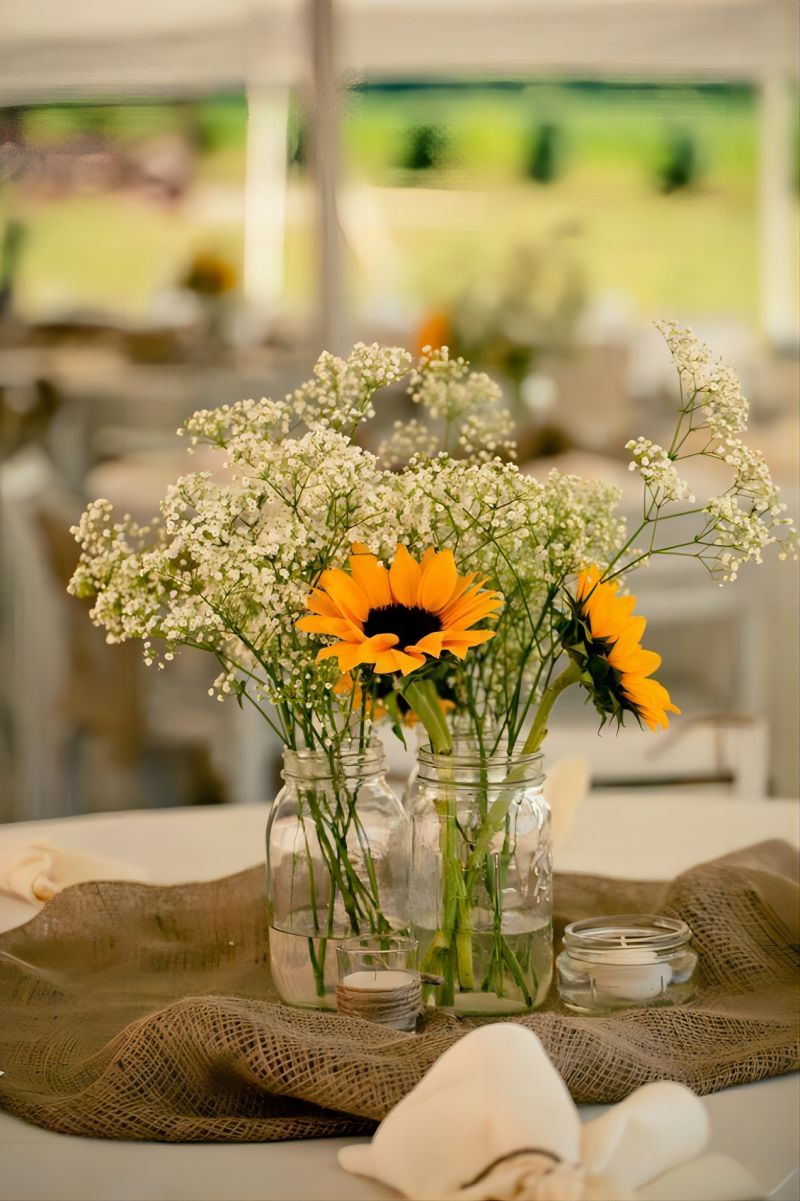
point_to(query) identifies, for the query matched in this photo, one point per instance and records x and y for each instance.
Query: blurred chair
(136, 738)
(34, 643)
(85, 725)
(722, 753)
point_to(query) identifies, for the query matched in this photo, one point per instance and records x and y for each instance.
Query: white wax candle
(634, 974)
(379, 981)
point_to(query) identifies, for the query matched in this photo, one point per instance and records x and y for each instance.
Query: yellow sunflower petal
(468, 610)
(336, 627)
(345, 594)
(609, 615)
(351, 654)
(371, 576)
(394, 660)
(651, 700)
(599, 607)
(629, 639)
(610, 618)
(619, 614)
(651, 692)
(586, 582)
(465, 640)
(464, 583)
(431, 644)
(464, 596)
(467, 637)
(437, 581)
(345, 684)
(404, 576)
(635, 660)
(377, 645)
(319, 602)
(335, 651)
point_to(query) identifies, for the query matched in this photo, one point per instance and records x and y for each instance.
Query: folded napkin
(36, 871)
(492, 1120)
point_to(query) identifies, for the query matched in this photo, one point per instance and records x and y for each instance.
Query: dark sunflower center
(408, 622)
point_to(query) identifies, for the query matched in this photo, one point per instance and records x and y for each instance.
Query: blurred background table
(657, 836)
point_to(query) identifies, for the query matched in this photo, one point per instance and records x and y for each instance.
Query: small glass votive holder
(378, 980)
(626, 961)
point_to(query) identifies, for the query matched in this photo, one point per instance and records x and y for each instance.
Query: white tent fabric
(91, 48)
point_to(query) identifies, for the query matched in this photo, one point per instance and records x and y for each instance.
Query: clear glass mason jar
(481, 904)
(338, 843)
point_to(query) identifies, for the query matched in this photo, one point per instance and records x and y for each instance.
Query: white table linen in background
(642, 835)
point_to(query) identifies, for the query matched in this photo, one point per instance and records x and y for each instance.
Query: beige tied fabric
(493, 1121)
(36, 871)
(139, 1012)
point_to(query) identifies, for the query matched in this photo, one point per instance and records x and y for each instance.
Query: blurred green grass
(693, 251)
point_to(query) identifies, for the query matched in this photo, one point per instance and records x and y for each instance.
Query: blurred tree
(10, 255)
(426, 148)
(679, 168)
(543, 157)
(297, 139)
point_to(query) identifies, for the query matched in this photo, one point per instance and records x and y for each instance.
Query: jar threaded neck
(349, 762)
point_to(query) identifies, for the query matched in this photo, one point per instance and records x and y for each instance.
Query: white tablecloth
(621, 835)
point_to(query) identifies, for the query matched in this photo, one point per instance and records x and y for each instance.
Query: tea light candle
(626, 960)
(384, 981)
(377, 981)
(635, 973)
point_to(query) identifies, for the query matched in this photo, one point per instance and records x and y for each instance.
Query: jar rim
(531, 764)
(619, 938)
(369, 759)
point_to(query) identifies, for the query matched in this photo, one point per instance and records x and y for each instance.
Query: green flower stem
(498, 812)
(424, 700)
(361, 901)
(538, 731)
(451, 949)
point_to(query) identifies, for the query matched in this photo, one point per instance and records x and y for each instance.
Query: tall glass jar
(337, 865)
(481, 864)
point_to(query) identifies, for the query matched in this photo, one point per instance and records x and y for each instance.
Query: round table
(646, 835)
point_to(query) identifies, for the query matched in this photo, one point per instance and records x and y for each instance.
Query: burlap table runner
(137, 1012)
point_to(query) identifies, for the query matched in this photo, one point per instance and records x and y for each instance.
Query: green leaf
(390, 700)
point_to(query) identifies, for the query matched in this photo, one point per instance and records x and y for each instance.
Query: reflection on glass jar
(481, 870)
(337, 865)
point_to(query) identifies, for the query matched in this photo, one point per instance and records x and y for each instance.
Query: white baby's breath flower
(466, 405)
(708, 384)
(229, 563)
(339, 395)
(658, 471)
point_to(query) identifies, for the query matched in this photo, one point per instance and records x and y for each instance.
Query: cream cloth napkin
(36, 871)
(493, 1121)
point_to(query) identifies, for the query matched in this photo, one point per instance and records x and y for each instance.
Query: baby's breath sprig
(733, 527)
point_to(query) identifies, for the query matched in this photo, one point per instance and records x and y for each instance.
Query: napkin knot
(538, 1175)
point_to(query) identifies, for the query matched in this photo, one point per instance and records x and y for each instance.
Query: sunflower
(393, 618)
(604, 637)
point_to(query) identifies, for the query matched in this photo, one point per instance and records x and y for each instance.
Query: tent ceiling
(49, 49)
